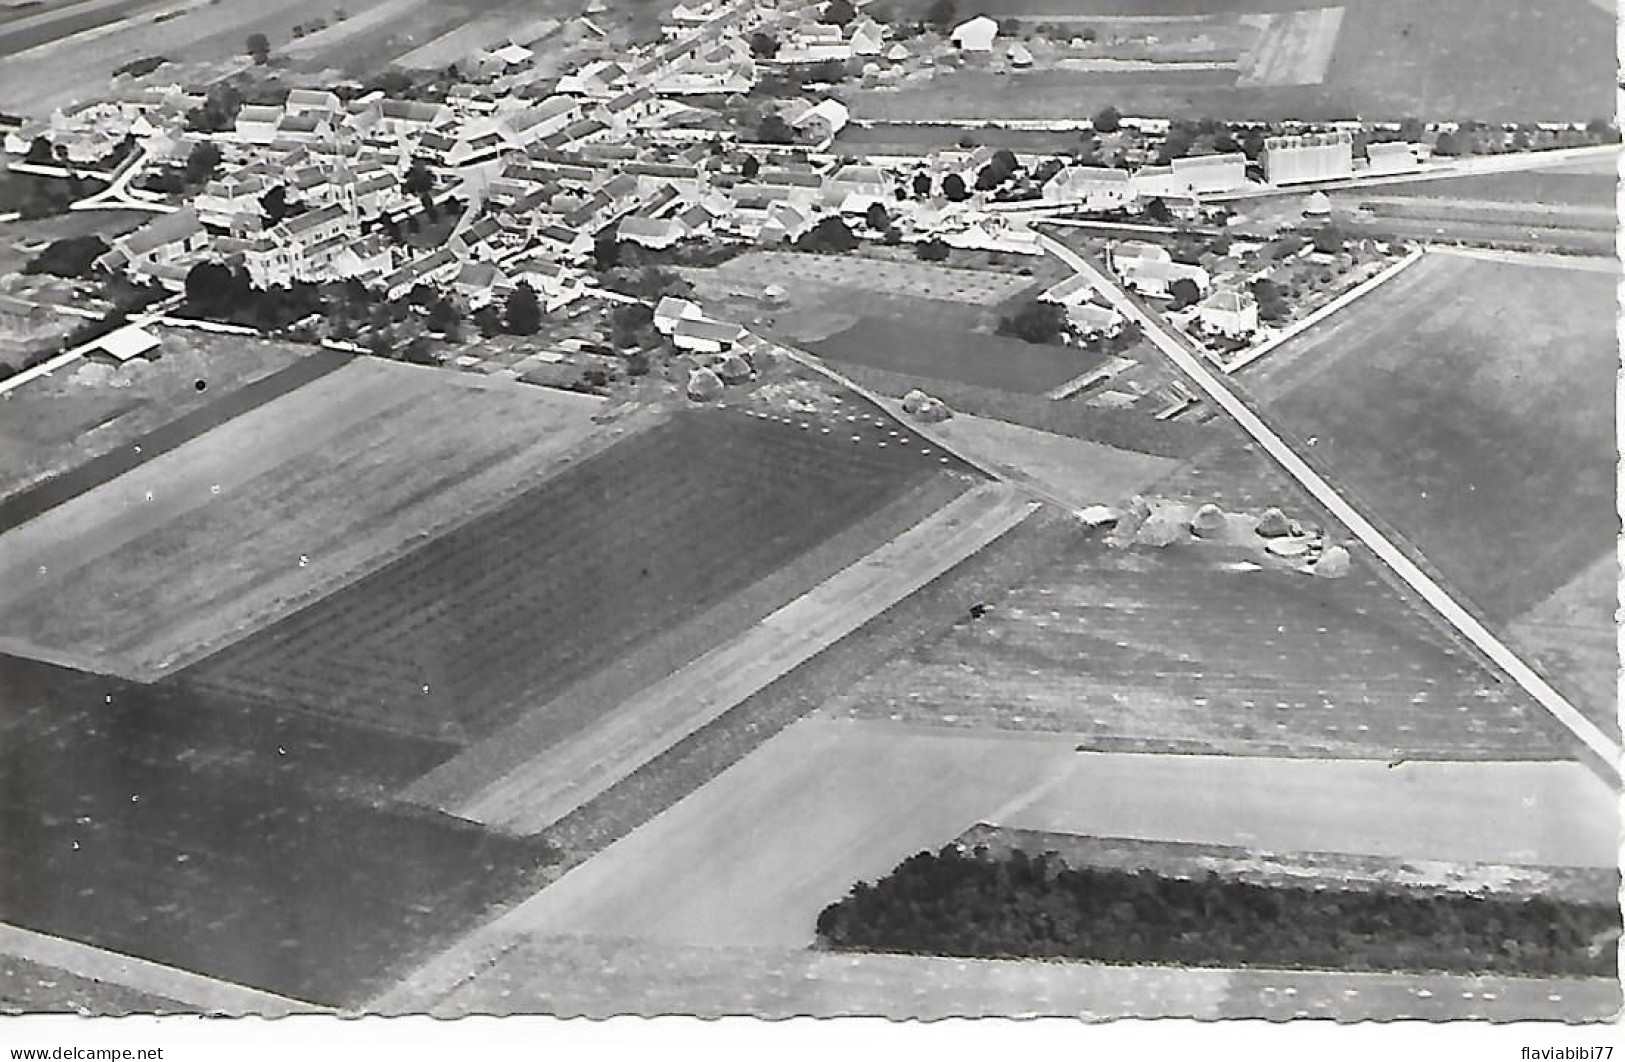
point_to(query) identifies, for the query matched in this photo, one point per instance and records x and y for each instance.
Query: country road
(1598, 744)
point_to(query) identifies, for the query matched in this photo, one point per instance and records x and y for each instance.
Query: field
(930, 350)
(918, 280)
(58, 422)
(456, 638)
(1573, 638)
(600, 979)
(245, 845)
(1077, 472)
(1542, 814)
(1176, 859)
(1555, 187)
(1544, 62)
(1294, 48)
(1188, 650)
(1469, 403)
(178, 556)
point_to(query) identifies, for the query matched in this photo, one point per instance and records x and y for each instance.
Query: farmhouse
(975, 35)
(1156, 278)
(1093, 187)
(257, 125)
(704, 336)
(21, 320)
(820, 122)
(670, 310)
(1230, 313)
(1202, 174)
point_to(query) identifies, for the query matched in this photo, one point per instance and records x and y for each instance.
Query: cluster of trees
(953, 903)
(1000, 168)
(829, 236)
(220, 293)
(71, 257)
(1272, 305)
(202, 163)
(1036, 322)
(650, 283)
(258, 47)
(932, 250)
(34, 196)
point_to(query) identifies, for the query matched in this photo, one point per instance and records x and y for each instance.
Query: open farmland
(1470, 404)
(1392, 58)
(1573, 638)
(929, 350)
(456, 638)
(1190, 649)
(86, 410)
(919, 280)
(193, 548)
(602, 978)
(242, 845)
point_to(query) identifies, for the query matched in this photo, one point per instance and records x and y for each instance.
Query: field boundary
(560, 780)
(206, 994)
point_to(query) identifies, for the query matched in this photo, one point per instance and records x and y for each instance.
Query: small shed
(127, 344)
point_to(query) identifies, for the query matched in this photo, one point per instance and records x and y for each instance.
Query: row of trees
(952, 903)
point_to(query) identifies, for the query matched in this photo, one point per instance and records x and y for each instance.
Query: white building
(1203, 174)
(975, 35)
(1308, 157)
(1230, 313)
(1395, 157)
(1091, 187)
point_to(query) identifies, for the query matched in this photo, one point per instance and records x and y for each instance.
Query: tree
(1271, 304)
(953, 188)
(922, 184)
(1184, 292)
(1601, 129)
(1252, 143)
(606, 252)
(419, 181)
(631, 324)
(276, 205)
(1448, 143)
(750, 167)
(877, 217)
(763, 45)
(1005, 159)
(838, 13)
(1108, 120)
(202, 162)
(1411, 130)
(1157, 210)
(523, 312)
(1328, 240)
(989, 178)
(259, 48)
(1036, 322)
(829, 236)
(775, 130)
(443, 317)
(70, 257)
(942, 14)
(932, 250)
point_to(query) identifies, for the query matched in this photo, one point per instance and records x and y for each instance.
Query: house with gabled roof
(1229, 312)
(1091, 187)
(257, 125)
(705, 336)
(314, 101)
(670, 310)
(437, 267)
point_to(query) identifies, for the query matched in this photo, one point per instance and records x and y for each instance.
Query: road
(118, 195)
(562, 778)
(1193, 365)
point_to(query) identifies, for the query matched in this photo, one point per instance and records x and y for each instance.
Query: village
(495, 202)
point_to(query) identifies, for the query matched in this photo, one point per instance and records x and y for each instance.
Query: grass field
(1185, 650)
(1574, 639)
(246, 845)
(570, 977)
(929, 350)
(34, 988)
(57, 422)
(457, 637)
(1078, 472)
(1541, 814)
(1335, 870)
(1525, 187)
(1470, 403)
(244, 523)
(1393, 58)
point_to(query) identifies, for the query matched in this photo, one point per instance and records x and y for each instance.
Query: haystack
(1162, 528)
(704, 385)
(733, 369)
(923, 407)
(1274, 524)
(1209, 521)
(1333, 563)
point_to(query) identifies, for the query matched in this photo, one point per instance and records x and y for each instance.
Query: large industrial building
(1309, 157)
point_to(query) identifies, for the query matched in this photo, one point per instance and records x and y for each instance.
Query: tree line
(1016, 906)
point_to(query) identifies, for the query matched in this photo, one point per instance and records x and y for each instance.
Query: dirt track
(563, 778)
